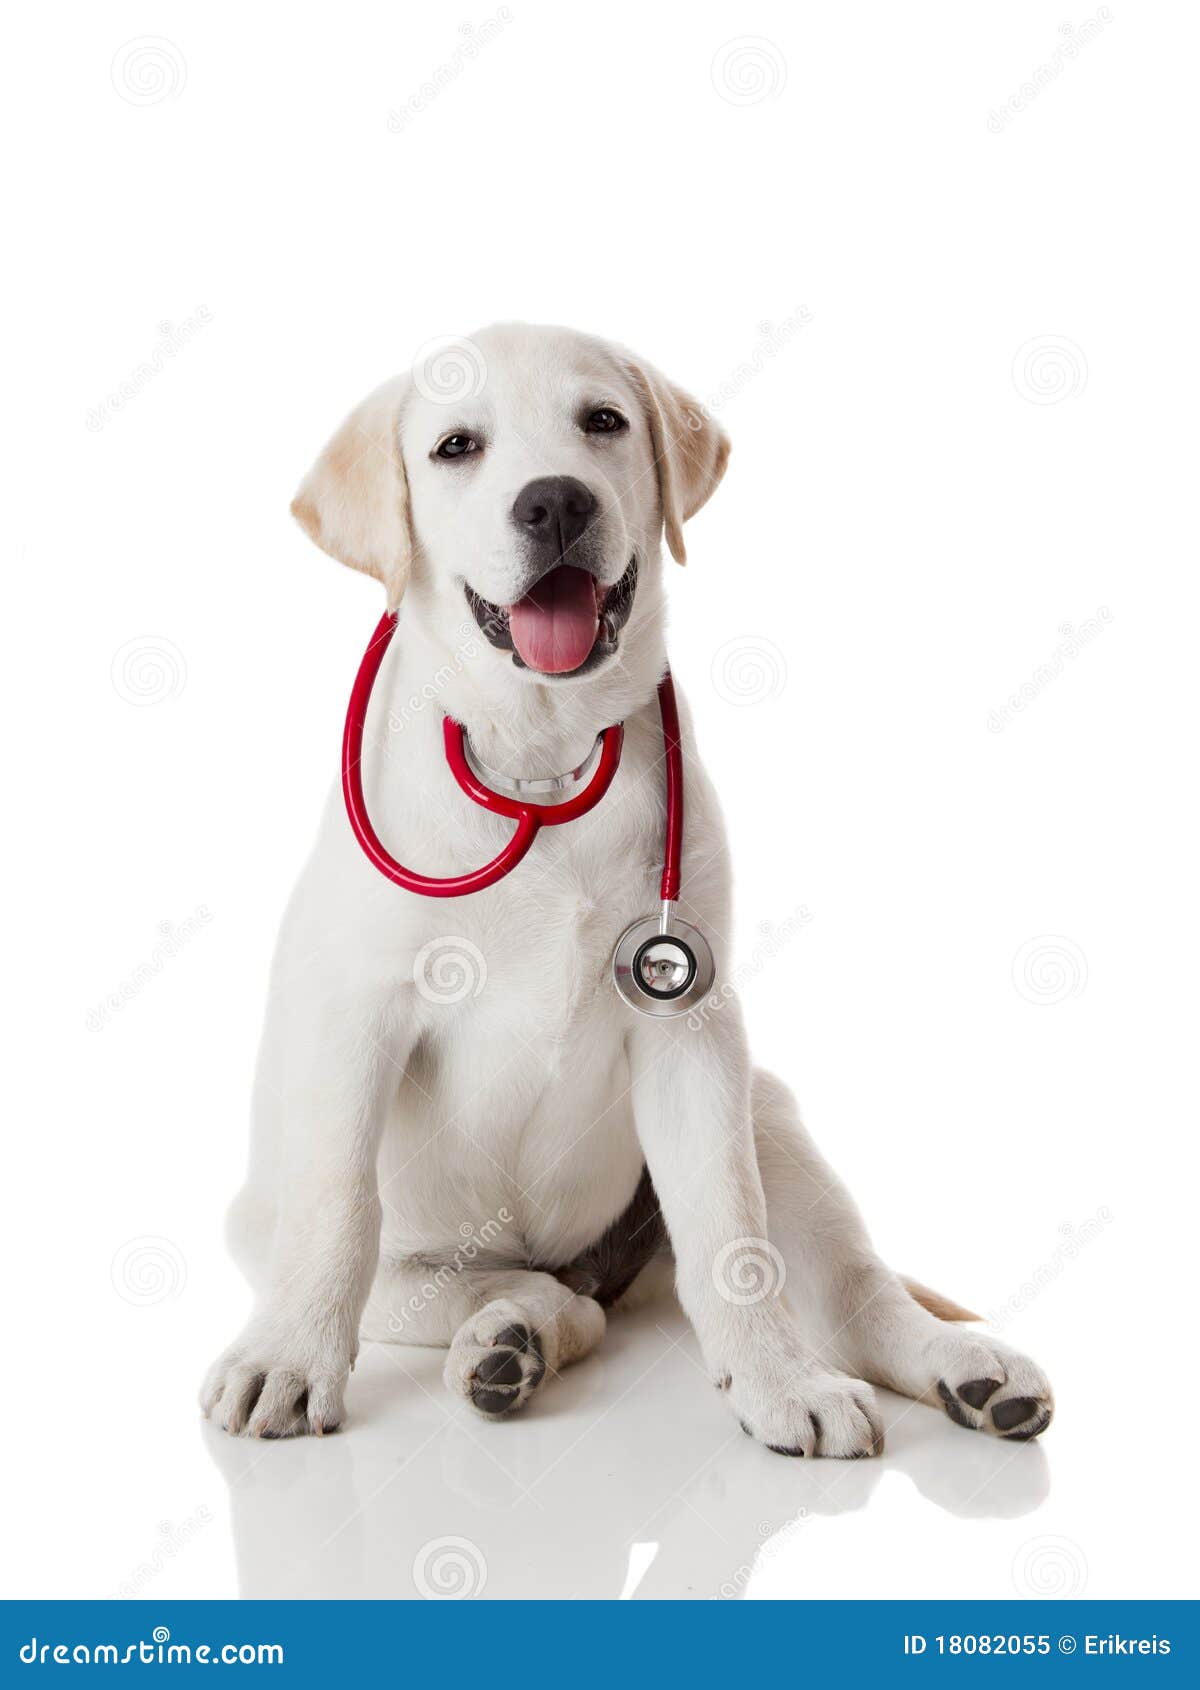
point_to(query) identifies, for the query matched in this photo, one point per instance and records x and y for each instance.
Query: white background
(990, 1017)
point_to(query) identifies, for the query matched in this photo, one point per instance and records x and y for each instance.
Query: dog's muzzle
(613, 607)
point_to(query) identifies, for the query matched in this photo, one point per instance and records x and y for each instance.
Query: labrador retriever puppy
(462, 1135)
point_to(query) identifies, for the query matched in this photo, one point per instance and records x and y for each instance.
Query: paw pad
(953, 1408)
(502, 1367)
(510, 1372)
(977, 1391)
(1021, 1418)
(1016, 1418)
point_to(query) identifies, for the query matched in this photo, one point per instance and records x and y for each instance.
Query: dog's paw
(989, 1387)
(803, 1411)
(265, 1389)
(496, 1360)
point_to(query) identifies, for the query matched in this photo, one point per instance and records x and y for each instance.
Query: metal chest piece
(663, 966)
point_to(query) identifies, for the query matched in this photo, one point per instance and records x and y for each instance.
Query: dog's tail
(934, 1302)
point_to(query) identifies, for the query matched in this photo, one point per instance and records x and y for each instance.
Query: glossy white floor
(631, 1479)
(627, 1478)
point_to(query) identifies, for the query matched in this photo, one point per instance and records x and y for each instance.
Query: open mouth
(566, 624)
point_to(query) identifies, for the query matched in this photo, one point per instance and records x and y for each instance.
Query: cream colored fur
(428, 1147)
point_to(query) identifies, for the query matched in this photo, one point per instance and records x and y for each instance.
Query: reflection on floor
(626, 1477)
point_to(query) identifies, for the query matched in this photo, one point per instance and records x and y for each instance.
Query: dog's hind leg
(508, 1329)
(861, 1317)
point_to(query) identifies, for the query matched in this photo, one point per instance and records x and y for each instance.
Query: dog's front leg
(330, 1066)
(691, 1099)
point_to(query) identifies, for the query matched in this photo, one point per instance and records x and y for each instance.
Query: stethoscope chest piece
(663, 966)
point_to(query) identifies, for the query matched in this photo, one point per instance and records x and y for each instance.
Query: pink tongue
(554, 627)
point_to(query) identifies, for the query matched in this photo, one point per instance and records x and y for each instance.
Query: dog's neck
(518, 726)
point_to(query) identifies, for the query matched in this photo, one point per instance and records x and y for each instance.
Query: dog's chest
(541, 955)
(531, 957)
(515, 1089)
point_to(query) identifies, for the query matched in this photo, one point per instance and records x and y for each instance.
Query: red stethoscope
(662, 965)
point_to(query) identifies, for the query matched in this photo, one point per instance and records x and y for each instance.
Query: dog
(462, 1136)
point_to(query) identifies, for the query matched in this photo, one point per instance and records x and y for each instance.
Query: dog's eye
(456, 446)
(604, 421)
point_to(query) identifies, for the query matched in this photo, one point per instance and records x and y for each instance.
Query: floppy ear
(354, 500)
(690, 450)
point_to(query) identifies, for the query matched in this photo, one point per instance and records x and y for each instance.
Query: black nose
(554, 512)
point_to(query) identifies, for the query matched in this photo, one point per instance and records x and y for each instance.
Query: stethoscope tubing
(530, 817)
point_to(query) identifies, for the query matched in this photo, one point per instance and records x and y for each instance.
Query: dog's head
(526, 475)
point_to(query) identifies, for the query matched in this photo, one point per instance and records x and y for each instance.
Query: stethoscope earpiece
(662, 966)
